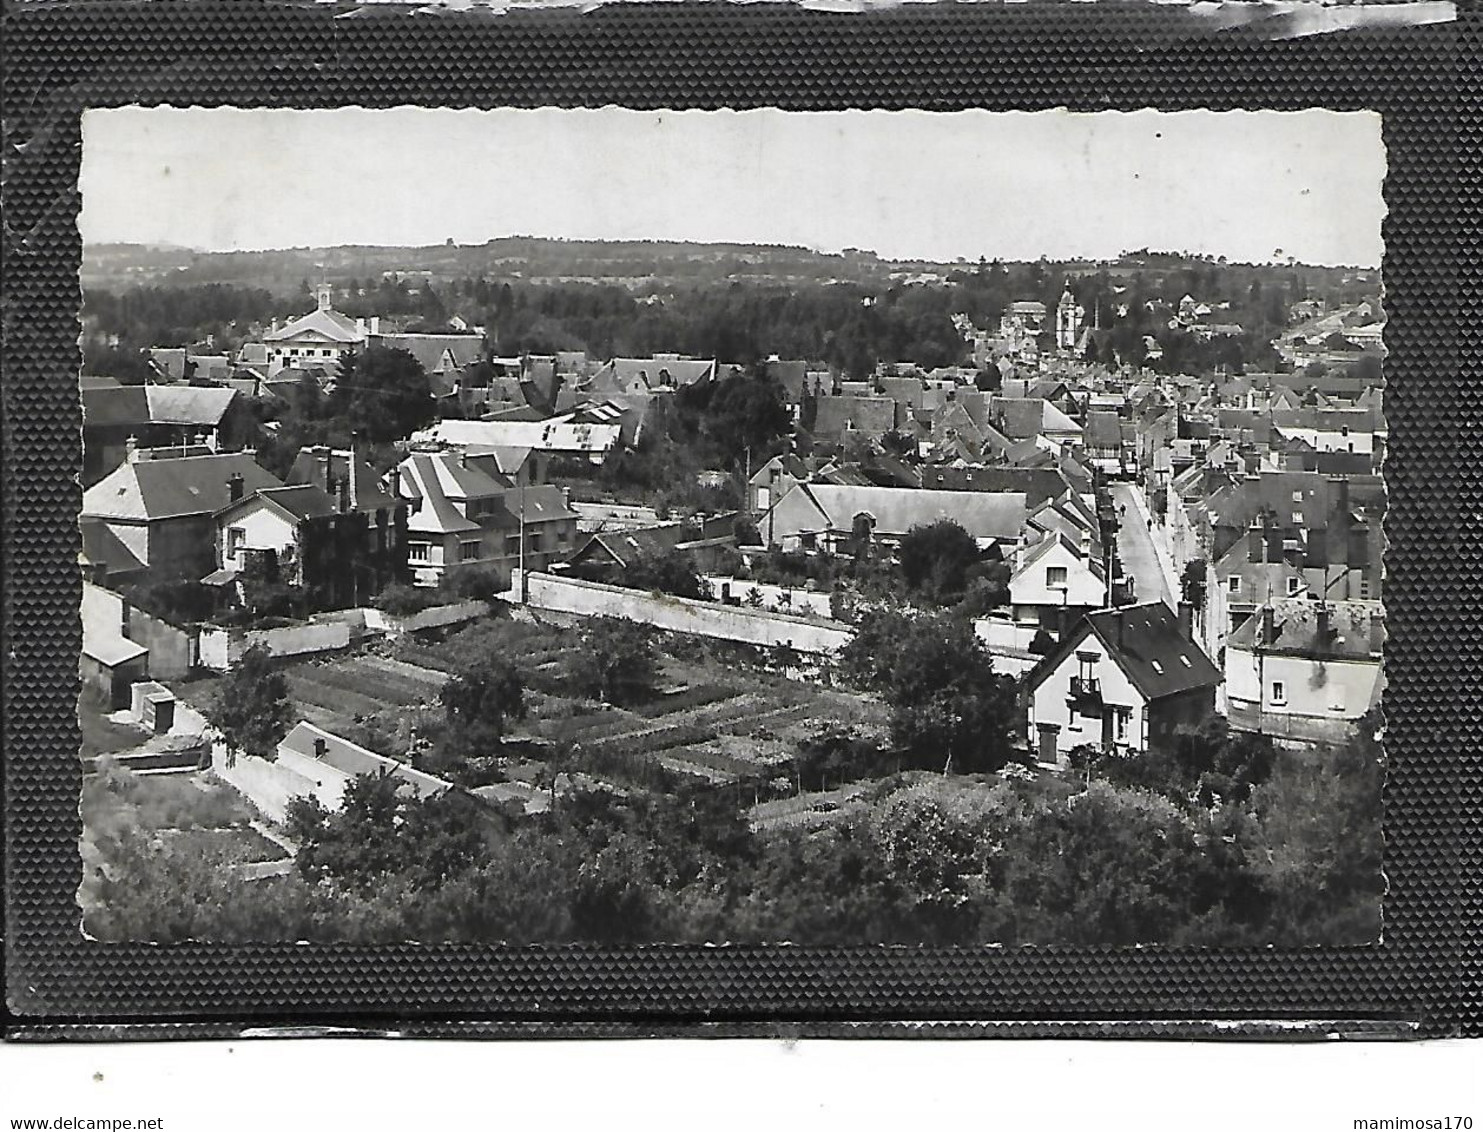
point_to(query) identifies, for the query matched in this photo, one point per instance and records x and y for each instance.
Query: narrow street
(1135, 546)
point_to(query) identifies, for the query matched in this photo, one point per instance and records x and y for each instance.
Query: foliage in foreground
(927, 859)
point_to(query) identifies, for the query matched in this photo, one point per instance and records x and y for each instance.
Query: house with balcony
(1123, 680)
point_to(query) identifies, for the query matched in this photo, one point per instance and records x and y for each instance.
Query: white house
(318, 339)
(1305, 671)
(1123, 680)
(1055, 580)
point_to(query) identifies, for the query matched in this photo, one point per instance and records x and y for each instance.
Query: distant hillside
(529, 259)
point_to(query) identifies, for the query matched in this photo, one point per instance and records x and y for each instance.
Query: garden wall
(222, 648)
(270, 786)
(435, 617)
(172, 652)
(775, 598)
(681, 615)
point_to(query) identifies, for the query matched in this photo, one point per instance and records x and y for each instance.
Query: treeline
(1178, 849)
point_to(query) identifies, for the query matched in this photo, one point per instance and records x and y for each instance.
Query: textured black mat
(1423, 979)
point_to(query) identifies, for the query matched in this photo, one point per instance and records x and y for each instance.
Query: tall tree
(936, 557)
(618, 662)
(251, 708)
(383, 394)
(478, 700)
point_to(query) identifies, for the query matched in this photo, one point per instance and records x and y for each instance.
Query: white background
(717, 1086)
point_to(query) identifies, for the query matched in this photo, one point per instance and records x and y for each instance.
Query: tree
(949, 708)
(251, 708)
(665, 571)
(382, 394)
(936, 557)
(478, 700)
(619, 663)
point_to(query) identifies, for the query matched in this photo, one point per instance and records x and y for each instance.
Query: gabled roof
(202, 406)
(1039, 550)
(870, 415)
(101, 547)
(326, 323)
(435, 353)
(1021, 418)
(297, 503)
(998, 516)
(353, 760)
(1145, 642)
(147, 489)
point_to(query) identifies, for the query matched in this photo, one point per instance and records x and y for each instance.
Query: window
(1364, 589)
(1293, 585)
(236, 536)
(468, 551)
(1297, 518)
(1233, 584)
(1297, 497)
(1055, 576)
(1120, 718)
(1279, 692)
(1158, 666)
(419, 552)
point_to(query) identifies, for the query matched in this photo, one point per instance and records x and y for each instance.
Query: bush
(403, 600)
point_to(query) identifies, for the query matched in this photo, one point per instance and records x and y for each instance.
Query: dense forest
(740, 318)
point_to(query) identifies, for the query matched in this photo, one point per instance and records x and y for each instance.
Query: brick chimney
(1325, 624)
(131, 450)
(1267, 635)
(352, 476)
(234, 487)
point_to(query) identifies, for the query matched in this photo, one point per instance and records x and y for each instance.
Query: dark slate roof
(101, 547)
(170, 488)
(1355, 630)
(1147, 645)
(309, 467)
(1103, 430)
(302, 501)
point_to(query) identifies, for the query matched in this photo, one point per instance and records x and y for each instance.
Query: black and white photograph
(617, 527)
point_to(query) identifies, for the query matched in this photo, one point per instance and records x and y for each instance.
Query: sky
(1250, 185)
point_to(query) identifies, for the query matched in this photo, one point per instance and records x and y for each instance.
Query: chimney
(1186, 620)
(1377, 632)
(1325, 627)
(131, 450)
(344, 493)
(234, 487)
(375, 325)
(360, 327)
(322, 454)
(321, 748)
(1268, 635)
(352, 475)
(1256, 542)
(396, 482)
(1084, 548)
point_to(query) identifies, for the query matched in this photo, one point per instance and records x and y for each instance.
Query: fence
(680, 615)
